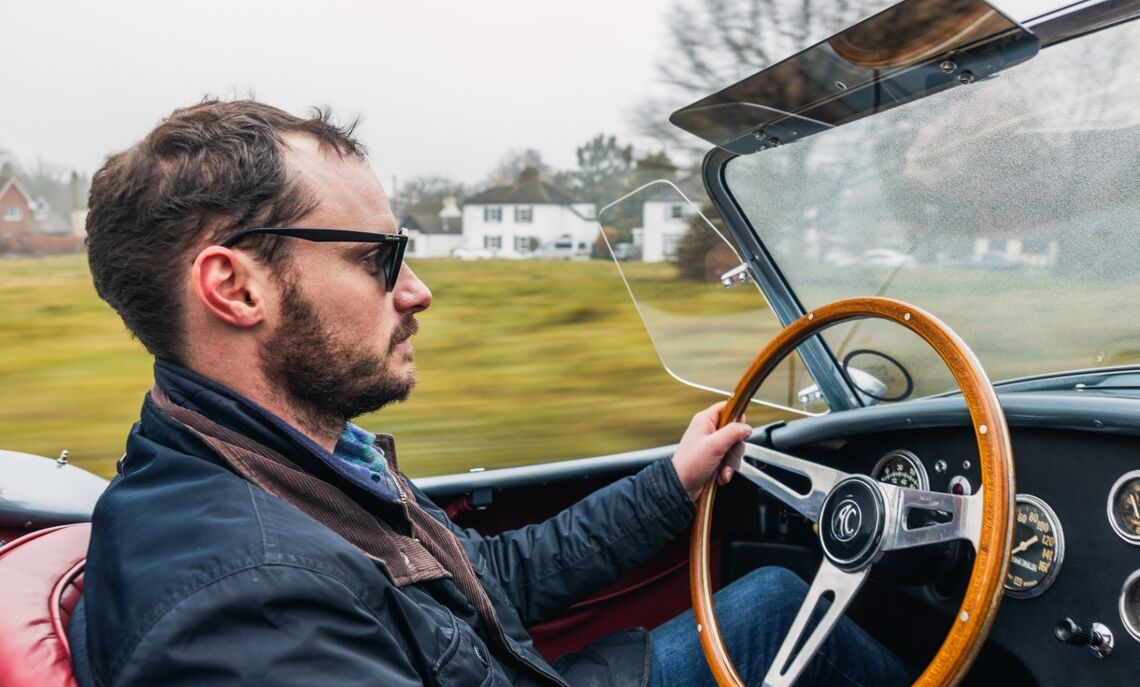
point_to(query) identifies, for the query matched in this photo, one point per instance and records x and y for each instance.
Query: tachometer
(1038, 549)
(1124, 507)
(902, 469)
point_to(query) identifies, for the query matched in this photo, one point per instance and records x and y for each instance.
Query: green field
(531, 361)
(520, 362)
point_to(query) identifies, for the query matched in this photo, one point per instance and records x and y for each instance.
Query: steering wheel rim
(984, 591)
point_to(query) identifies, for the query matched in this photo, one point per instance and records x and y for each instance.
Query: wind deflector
(909, 51)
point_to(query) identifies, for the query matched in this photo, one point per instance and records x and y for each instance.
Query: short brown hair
(205, 173)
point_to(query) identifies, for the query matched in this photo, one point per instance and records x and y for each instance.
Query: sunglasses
(387, 258)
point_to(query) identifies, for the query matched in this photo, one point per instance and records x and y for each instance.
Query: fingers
(726, 437)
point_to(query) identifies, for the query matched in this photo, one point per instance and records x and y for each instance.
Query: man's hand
(704, 449)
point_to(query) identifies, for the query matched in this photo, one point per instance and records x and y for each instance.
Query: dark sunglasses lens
(389, 259)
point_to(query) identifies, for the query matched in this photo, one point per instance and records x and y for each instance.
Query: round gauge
(1130, 605)
(902, 469)
(1124, 507)
(1038, 549)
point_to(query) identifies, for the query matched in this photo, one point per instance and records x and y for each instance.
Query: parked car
(990, 529)
(472, 253)
(625, 251)
(563, 248)
(886, 257)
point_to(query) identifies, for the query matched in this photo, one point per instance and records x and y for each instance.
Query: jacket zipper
(407, 513)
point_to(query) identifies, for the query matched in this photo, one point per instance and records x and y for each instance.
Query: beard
(328, 381)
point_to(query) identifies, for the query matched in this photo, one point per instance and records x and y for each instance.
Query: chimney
(529, 173)
(450, 208)
(449, 211)
(77, 202)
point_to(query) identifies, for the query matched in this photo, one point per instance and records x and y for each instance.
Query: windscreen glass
(1007, 207)
(702, 309)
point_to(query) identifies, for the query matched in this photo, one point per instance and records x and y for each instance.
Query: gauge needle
(1024, 545)
(1132, 502)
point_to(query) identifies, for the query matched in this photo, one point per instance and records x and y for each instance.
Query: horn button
(852, 522)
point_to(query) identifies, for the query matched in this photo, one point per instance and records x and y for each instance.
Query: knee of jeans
(776, 578)
(776, 586)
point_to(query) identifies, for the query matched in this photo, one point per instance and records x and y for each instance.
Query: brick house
(29, 226)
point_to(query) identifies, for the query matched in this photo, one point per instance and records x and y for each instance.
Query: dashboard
(1075, 557)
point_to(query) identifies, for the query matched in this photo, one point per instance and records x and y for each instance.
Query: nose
(411, 295)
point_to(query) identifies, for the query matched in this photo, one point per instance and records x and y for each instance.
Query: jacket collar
(238, 413)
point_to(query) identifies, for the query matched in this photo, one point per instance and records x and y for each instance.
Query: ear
(228, 285)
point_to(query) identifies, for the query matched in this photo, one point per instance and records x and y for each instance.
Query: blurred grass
(520, 362)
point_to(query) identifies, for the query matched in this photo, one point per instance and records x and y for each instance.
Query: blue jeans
(755, 613)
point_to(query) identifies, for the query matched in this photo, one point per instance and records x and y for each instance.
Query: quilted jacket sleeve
(547, 566)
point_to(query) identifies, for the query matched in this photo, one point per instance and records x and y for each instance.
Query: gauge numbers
(1124, 507)
(1130, 605)
(1038, 549)
(902, 469)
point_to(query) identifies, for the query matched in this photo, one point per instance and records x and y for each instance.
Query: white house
(664, 220)
(435, 228)
(518, 220)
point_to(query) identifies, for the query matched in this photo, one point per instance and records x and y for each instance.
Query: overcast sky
(441, 87)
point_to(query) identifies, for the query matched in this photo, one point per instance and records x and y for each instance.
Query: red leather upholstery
(41, 580)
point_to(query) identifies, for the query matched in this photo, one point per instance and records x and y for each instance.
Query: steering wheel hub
(852, 521)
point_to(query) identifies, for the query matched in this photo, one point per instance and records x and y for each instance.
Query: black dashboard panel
(1070, 459)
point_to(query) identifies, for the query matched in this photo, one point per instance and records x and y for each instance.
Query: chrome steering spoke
(822, 479)
(832, 581)
(964, 515)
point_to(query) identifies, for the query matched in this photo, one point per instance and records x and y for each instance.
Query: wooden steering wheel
(860, 518)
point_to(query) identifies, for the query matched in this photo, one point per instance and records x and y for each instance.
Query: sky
(440, 87)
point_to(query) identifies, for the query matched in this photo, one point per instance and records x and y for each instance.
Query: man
(254, 535)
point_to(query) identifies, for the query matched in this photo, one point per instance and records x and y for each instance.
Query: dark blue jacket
(196, 576)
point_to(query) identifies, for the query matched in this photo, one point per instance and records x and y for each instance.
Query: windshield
(701, 309)
(1006, 207)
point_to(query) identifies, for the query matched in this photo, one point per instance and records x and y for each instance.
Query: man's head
(304, 327)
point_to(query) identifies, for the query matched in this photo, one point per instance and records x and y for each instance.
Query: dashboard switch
(1096, 636)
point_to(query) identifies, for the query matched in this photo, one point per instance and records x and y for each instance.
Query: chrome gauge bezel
(1058, 558)
(1111, 512)
(1133, 630)
(910, 458)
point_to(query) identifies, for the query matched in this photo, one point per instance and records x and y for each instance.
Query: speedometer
(1038, 549)
(902, 469)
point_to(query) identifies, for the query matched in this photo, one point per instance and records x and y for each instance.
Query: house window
(493, 242)
(676, 211)
(524, 214)
(411, 246)
(670, 242)
(12, 213)
(522, 244)
(493, 214)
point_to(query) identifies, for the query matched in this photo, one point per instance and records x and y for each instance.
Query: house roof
(529, 190)
(6, 181)
(424, 217)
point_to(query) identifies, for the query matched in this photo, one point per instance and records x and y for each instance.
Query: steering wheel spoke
(955, 517)
(822, 479)
(797, 650)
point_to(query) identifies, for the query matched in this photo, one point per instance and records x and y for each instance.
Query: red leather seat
(41, 580)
